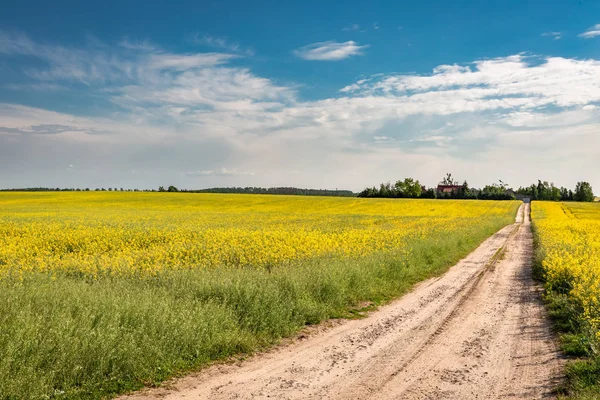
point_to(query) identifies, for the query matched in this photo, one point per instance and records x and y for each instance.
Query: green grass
(63, 337)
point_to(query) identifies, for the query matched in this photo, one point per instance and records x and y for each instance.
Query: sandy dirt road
(478, 332)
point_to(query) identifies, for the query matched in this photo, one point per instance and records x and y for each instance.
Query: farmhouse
(442, 189)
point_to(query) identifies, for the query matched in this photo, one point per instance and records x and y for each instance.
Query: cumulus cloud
(591, 32)
(330, 51)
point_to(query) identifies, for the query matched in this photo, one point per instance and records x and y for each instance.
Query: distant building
(443, 189)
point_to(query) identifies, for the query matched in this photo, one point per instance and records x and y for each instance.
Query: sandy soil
(478, 332)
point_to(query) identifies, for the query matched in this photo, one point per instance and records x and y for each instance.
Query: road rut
(480, 331)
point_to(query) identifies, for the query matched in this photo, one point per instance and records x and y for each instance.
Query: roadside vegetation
(567, 237)
(102, 293)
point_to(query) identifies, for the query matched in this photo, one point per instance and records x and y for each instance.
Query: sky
(197, 94)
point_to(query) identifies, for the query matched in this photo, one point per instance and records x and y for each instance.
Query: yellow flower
(96, 234)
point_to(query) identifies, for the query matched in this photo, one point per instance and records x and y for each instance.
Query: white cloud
(186, 61)
(102, 64)
(591, 32)
(503, 83)
(143, 45)
(201, 173)
(330, 51)
(353, 27)
(220, 172)
(555, 35)
(221, 43)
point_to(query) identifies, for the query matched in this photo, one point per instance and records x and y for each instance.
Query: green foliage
(408, 188)
(448, 180)
(548, 192)
(584, 192)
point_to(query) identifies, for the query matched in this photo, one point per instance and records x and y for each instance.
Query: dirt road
(477, 332)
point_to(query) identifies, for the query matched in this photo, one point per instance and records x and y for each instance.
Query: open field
(106, 292)
(568, 259)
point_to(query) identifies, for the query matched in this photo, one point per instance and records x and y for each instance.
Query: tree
(408, 188)
(583, 192)
(172, 189)
(161, 189)
(554, 193)
(428, 194)
(400, 187)
(535, 194)
(412, 187)
(448, 180)
(564, 194)
(496, 192)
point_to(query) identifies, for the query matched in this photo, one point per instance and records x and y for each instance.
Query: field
(101, 293)
(568, 236)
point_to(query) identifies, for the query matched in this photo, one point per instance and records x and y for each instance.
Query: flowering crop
(98, 233)
(105, 292)
(569, 235)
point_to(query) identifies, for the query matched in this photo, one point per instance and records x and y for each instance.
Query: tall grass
(62, 337)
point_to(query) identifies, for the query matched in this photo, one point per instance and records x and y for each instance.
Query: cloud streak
(555, 35)
(223, 172)
(330, 51)
(221, 44)
(591, 32)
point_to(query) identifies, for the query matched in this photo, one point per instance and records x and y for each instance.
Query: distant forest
(245, 190)
(276, 190)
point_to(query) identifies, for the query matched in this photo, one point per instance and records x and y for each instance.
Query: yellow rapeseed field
(103, 233)
(106, 292)
(569, 235)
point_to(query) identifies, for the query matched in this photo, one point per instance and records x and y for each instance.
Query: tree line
(449, 188)
(45, 189)
(244, 190)
(547, 191)
(278, 190)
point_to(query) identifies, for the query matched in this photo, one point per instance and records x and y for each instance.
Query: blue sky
(317, 94)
